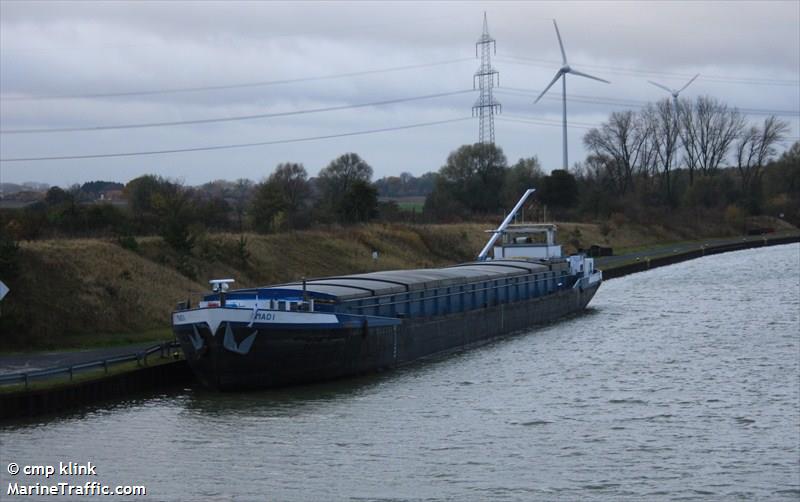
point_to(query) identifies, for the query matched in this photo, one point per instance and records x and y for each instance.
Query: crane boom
(496, 233)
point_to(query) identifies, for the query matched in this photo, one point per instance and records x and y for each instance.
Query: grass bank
(77, 293)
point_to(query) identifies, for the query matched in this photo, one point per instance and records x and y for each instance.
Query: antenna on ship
(221, 286)
(485, 107)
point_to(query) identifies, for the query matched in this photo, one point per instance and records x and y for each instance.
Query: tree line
(661, 151)
(287, 199)
(650, 165)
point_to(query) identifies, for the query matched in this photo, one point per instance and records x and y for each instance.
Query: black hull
(287, 357)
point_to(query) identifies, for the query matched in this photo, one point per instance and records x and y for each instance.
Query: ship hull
(278, 355)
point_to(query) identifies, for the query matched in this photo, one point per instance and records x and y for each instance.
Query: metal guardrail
(140, 357)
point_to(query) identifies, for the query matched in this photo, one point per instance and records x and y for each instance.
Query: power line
(595, 100)
(636, 103)
(233, 86)
(235, 118)
(572, 125)
(544, 63)
(553, 122)
(579, 125)
(231, 146)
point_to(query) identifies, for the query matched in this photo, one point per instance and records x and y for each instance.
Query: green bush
(9, 258)
(128, 242)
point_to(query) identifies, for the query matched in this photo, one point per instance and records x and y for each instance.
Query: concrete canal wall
(57, 398)
(645, 262)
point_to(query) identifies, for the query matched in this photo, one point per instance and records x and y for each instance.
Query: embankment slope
(84, 292)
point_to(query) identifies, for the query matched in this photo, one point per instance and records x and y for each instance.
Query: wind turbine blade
(576, 72)
(560, 44)
(661, 86)
(558, 74)
(689, 82)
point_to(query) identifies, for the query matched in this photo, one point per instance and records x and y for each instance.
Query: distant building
(112, 196)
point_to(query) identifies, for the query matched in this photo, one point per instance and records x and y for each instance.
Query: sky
(100, 64)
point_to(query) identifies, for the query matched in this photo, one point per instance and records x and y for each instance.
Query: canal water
(680, 383)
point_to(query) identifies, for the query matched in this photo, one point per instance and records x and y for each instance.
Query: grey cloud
(67, 48)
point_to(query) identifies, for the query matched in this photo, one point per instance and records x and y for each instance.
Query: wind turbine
(562, 74)
(675, 93)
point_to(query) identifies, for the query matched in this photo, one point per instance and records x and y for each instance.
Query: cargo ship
(332, 327)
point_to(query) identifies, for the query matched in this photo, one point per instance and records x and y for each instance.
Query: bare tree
(240, 193)
(593, 169)
(605, 171)
(621, 139)
(647, 130)
(688, 134)
(755, 147)
(662, 119)
(708, 129)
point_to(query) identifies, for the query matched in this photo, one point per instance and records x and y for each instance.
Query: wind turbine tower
(562, 74)
(486, 106)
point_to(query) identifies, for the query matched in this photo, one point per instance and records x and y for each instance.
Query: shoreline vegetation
(85, 293)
